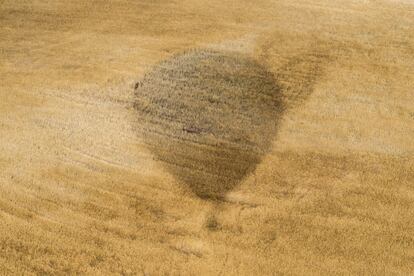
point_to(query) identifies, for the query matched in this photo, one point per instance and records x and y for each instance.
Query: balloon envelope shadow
(209, 117)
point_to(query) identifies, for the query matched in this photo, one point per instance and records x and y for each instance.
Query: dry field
(207, 137)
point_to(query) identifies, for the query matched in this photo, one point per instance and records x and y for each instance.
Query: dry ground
(81, 192)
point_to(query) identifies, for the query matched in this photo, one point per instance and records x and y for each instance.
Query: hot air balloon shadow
(210, 116)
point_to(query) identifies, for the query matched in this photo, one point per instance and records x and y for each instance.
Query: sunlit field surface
(206, 137)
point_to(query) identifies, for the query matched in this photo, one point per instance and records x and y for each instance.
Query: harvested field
(206, 137)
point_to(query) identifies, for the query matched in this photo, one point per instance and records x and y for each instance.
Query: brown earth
(325, 186)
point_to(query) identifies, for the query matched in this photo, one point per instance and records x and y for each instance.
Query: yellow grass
(83, 191)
